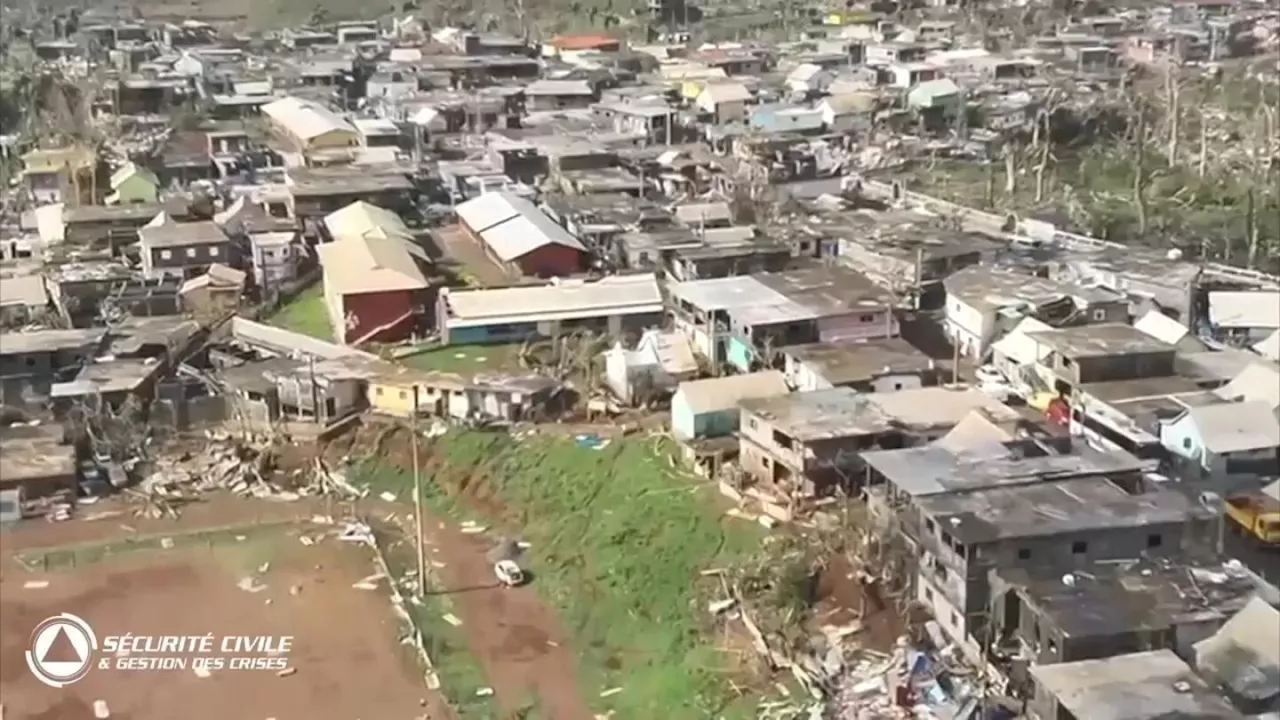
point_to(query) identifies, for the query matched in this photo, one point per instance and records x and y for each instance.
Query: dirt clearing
(344, 650)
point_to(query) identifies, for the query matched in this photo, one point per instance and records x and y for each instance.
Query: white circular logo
(61, 650)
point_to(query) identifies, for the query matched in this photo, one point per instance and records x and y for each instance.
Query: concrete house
(659, 362)
(726, 102)
(183, 249)
(133, 184)
(1156, 685)
(1245, 315)
(1230, 438)
(808, 442)
(311, 129)
(1038, 616)
(880, 365)
(849, 112)
(985, 303)
(60, 175)
(709, 408)
(1032, 504)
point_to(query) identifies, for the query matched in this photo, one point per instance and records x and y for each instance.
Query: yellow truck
(1256, 514)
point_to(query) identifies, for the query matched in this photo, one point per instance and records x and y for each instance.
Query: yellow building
(315, 131)
(63, 175)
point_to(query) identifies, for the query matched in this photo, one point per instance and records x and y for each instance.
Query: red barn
(517, 235)
(374, 285)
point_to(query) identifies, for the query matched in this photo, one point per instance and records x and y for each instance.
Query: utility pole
(417, 498)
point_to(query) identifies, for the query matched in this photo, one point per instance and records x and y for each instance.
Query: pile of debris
(244, 465)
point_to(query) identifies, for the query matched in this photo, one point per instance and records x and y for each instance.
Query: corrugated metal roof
(723, 393)
(521, 229)
(1245, 309)
(369, 264)
(617, 295)
(362, 219)
(1236, 427)
(304, 119)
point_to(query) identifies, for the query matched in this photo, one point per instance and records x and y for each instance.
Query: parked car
(508, 573)
(989, 375)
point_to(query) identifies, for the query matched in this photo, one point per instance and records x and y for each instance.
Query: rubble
(244, 465)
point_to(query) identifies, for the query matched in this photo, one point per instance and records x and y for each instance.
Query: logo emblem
(61, 650)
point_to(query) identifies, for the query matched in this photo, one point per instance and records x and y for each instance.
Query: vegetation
(1171, 160)
(619, 543)
(305, 314)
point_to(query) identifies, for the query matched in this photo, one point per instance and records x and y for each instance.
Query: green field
(467, 359)
(305, 314)
(619, 540)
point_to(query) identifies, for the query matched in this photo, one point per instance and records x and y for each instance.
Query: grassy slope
(618, 543)
(305, 314)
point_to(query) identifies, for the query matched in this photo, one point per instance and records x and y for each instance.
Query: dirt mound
(843, 598)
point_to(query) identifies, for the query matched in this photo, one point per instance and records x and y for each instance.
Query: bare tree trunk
(1040, 168)
(1140, 174)
(1204, 146)
(990, 197)
(1010, 171)
(1251, 227)
(1173, 92)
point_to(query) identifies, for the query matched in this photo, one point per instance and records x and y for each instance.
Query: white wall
(968, 327)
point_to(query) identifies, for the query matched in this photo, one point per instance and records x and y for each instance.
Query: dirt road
(517, 638)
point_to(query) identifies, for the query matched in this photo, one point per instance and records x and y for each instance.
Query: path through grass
(619, 540)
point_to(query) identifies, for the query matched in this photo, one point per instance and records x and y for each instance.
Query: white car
(508, 573)
(989, 375)
(1001, 391)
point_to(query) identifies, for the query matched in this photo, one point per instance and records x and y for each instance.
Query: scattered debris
(452, 619)
(287, 672)
(249, 584)
(369, 583)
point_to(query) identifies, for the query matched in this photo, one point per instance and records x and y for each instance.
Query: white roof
(1018, 347)
(1236, 427)
(1245, 309)
(804, 73)
(694, 213)
(1256, 382)
(512, 226)
(1269, 348)
(361, 219)
(567, 300)
(722, 92)
(24, 291)
(724, 393)
(1162, 327)
(304, 119)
